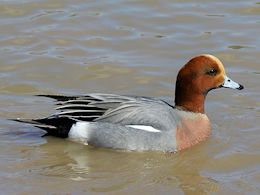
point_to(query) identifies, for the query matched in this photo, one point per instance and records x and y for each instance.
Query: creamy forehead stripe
(221, 66)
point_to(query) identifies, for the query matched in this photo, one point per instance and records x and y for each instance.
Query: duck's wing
(141, 111)
(117, 109)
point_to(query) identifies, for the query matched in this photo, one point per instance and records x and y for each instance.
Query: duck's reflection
(109, 170)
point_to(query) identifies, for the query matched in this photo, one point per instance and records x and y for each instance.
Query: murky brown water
(126, 47)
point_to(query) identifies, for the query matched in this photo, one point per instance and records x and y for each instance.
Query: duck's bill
(228, 83)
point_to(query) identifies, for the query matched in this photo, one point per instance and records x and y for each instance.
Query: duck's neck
(188, 99)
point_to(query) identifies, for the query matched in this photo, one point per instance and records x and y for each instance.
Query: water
(126, 47)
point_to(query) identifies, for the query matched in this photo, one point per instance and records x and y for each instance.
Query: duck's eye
(212, 72)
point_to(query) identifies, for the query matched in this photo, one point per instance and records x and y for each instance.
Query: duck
(137, 123)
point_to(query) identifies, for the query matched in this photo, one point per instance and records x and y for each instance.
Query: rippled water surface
(126, 47)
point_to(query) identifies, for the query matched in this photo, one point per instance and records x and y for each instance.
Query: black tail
(55, 126)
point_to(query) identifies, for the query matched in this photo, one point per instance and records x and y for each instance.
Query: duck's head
(196, 78)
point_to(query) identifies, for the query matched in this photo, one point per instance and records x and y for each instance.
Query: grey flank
(121, 137)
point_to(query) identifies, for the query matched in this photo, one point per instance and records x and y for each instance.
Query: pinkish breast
(191, 131)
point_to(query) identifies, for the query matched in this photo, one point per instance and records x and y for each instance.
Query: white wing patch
(144, 128)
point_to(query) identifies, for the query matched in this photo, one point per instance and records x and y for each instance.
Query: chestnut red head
(196, 78)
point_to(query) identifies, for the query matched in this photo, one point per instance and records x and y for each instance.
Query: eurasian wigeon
(141, 123)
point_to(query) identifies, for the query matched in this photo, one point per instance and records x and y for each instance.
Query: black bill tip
(240, 87)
